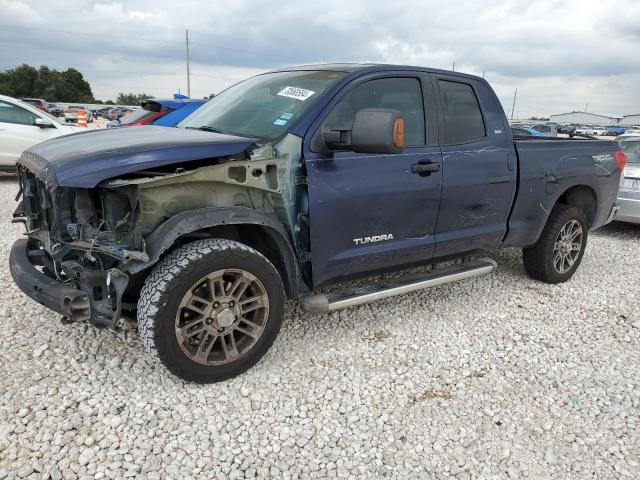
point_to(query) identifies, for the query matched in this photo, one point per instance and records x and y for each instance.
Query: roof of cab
(371, 67)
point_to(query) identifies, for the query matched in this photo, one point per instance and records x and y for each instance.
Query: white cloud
(558, 53)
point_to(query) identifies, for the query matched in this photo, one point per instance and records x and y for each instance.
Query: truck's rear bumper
(51, 293)
(612, 214)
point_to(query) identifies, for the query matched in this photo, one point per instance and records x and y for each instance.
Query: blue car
(615, 130)
(526, 132)
(165, 113)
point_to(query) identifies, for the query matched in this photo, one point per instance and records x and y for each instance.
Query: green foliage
(131, 98)
(53, 86)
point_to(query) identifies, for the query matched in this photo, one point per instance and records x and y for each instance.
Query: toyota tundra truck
(288, 182)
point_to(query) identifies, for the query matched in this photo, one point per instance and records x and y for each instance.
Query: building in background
(631, 119)
(586, 118)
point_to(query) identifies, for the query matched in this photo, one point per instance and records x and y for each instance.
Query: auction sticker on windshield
(295, 92)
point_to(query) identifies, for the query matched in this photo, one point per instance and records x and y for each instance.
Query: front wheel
(555, 257)
(211, 309)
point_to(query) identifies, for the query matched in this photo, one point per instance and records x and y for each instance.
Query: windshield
(136, 116)
(263, 106)
(631, 148)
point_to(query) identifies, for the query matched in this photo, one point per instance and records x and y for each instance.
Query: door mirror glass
(43, 123)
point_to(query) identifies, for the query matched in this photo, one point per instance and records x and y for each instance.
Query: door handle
(425, 168)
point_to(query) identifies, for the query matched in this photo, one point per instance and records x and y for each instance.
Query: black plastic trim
(47, 291)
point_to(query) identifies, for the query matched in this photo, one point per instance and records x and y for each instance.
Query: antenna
(188, 70)
(514, 103)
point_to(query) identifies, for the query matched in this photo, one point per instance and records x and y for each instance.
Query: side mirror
(377, 130)
(374, 130)
(43, 123)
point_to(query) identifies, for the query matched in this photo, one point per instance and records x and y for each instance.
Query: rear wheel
(211, 309)
(555, 257)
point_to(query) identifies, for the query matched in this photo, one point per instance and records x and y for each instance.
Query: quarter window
(402, 94)
(10, 113)
(462, 116)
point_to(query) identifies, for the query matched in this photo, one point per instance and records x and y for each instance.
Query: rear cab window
(463, 121)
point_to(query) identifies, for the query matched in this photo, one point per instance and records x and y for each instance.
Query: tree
(50, 84)
(131, 98)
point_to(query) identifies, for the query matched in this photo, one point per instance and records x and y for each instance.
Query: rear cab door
(479, 172)
(370, 212)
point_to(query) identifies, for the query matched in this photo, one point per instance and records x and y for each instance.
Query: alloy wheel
(222, 316)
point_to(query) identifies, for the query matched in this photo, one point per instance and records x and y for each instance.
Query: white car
(591, 130)
(23, 125)
(71, 113)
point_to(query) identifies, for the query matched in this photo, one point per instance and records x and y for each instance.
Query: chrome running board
(320, 303)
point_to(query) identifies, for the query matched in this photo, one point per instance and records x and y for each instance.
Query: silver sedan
(629, 194)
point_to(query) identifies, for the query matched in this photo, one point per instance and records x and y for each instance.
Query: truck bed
(547, 167)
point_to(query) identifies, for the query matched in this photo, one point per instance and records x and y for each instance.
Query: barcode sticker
(295, 92)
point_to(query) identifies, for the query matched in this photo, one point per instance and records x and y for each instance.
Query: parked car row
(23, 125)
(26, 122)
(112, 113)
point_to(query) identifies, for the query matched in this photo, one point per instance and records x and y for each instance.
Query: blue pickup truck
(285, 183)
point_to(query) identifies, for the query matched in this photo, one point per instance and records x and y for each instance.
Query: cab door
(478, 167)
(370, 212)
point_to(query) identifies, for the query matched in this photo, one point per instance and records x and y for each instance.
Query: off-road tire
(538, 259)
(173, 276)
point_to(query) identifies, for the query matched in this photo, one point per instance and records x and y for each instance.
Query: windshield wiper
(207, 128)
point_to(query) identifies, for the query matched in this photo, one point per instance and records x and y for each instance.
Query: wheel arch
(258, 230)
(583, 197)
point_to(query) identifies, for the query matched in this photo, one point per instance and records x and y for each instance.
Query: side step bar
(320, 303)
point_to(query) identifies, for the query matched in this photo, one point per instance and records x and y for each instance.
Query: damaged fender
(165, 235)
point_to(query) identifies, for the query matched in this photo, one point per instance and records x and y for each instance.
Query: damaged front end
(81, 238)
(99, 241)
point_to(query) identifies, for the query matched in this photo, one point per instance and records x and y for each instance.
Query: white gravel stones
(497, 377)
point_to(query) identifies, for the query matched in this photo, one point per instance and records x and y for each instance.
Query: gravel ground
(495, 377)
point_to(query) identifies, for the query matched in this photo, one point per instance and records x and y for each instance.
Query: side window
(462, 117)
(10, 113)
(403, 94)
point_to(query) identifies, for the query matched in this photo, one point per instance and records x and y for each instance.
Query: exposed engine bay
(98, 239)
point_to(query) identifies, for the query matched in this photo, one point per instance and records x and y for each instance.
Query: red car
(38, 103)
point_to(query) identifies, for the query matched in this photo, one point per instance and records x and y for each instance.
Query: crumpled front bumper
(58, 296)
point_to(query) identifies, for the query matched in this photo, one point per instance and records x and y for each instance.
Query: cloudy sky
(560, 54)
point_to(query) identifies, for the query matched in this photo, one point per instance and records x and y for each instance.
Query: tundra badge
(373, 239)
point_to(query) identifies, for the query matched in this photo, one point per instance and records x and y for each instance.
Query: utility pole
(188, 70)
(514, 103)
(454, 66)
(483, 72)
(585, 106)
